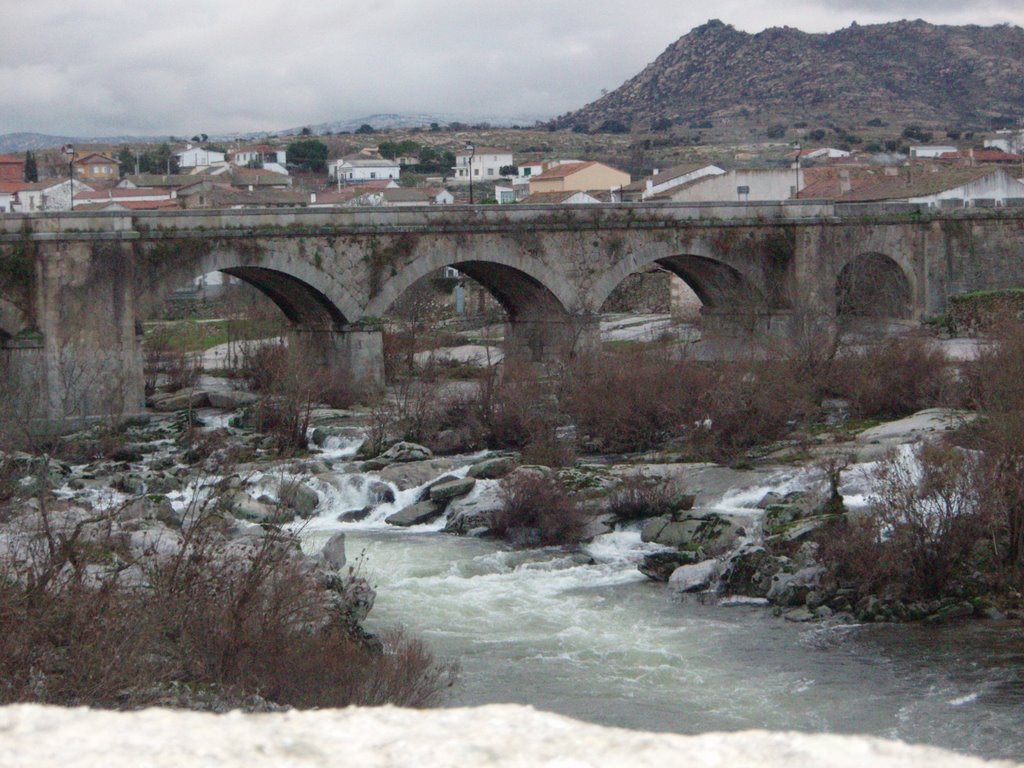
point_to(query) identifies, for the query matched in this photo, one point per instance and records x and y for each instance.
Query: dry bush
(927, 518)
(537, 510)
(638, 496)
(164, 366)
(290, 387)
(628, 401)
(634, 402)
(895, 378)
(244, 622)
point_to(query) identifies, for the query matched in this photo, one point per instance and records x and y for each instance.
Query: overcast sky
(107, 67)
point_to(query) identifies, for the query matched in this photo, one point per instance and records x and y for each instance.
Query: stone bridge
(73, 286)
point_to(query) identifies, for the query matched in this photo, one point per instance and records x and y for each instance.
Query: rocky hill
(905, 72)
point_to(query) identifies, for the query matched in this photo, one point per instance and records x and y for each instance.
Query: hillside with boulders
(905, 72)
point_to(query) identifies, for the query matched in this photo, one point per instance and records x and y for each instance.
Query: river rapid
(588, 636)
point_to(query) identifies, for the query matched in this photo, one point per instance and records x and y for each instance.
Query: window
(490, 171)
(373, 174)
(476, 171)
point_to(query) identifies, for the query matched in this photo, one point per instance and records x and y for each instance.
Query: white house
(261, 155)
(1008, 141)
(942, 187)
(481, 163)
(49, 195)
(926, 150)
(665, 180)
(742, 185)
(355, 170)
(197, 157)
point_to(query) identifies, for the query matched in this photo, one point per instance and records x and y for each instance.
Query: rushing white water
(592, 638)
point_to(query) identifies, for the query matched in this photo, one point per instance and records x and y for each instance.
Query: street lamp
(69, 150)
(472, 151)
(796, 188)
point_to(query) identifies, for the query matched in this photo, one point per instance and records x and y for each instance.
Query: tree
(613, 126)
(159, 160)
(775, 131)
(306, 132)
(508, 170)
(31, 171)
(365, 128)
(311, 154)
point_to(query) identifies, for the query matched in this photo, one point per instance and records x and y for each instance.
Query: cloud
(191, 66)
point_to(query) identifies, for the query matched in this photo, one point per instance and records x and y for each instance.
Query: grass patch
(199, 335)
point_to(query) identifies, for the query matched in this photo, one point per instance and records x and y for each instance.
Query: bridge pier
(550, 340)
(351, 356)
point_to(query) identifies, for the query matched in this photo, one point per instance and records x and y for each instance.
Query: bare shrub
(244, 621)
(537, 509)
(633, 402)
(927, 517)
(290, 386)
(894, 378)
(638, 496)
(165, 366)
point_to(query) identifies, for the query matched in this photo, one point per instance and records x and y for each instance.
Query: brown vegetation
(537, 510)
(247, 624)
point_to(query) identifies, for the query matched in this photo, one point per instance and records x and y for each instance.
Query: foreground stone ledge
(499, 735)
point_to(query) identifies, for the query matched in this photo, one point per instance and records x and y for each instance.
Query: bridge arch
(306, 295)
(522, 285)
(718, 284)
(540, 322)
(873, 285)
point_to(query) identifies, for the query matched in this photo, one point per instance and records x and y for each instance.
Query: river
(600, 642)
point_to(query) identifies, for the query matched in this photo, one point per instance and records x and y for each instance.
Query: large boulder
(245, 507)
(713, 532)
(492, 469)
(474, 512)
(793, 588)
(404, 452)
(229, 400)
(696, 577)
(659, 566)
(450, 489)
(333, 553)
(181, 400)
(299, 497)
(416, 514)
(750, 571)
(415, 473)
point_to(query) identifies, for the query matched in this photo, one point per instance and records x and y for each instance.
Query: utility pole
(472, 152)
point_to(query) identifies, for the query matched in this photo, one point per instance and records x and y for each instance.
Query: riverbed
(587, 635)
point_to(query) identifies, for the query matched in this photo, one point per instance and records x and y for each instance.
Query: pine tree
(31, 171)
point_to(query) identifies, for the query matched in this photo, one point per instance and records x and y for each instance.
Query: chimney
(844, 182)
(891, 170)
(312, 198)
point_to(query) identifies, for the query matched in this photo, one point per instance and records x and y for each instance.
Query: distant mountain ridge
(906, 71)
(21, 142)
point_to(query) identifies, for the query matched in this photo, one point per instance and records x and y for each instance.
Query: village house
(12, 168)
(96, 167)
(1011, 142)
(357, 170)
(981, 157)
(938, 187)
(818, 153)
(402, 197)
(741, 185)
(198, 157)
(9, 195)
(930, 151)
(260, 156)
(663, 181)
(48, 195)
(485, 163)
(127, 199)
(579, 177)
(569, 197)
